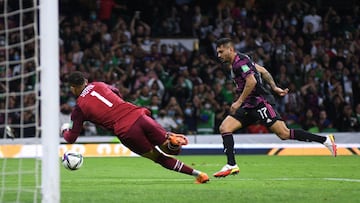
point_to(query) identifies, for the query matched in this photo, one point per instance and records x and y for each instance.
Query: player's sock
(196, 173)
(228, 142)
(174, 164)
(302, 135)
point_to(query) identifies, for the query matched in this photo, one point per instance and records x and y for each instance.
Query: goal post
(29, 101)
(49, 84)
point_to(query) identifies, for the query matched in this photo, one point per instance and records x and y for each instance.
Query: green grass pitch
(261, 179)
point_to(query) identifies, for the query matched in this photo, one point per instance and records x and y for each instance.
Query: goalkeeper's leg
(174, 164)
(145, 134)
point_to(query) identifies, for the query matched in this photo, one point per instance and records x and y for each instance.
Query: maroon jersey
(242, 67)
(102, 105)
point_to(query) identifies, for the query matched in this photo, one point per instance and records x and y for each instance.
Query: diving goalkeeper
(102, 104)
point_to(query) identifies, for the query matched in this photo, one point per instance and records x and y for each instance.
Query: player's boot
(330, 144)
(202, 178)
(177, 139)
(227, 170)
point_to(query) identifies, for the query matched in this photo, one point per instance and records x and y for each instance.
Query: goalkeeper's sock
(196, 173)
(228, 142)
(302, 135)
(174, 164)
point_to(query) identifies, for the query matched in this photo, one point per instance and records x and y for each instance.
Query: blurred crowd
(314, 52)
(311, 49)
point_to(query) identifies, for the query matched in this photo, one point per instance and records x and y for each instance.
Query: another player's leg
(284, 133)
(328, 141)
(330, 144)
(229, 125)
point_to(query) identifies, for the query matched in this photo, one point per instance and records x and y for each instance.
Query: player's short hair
(224, 42)
(76, 78)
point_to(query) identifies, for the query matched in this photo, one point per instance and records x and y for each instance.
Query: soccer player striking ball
(252, 106)
(102, 104)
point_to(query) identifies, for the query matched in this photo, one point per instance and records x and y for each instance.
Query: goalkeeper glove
(65, 127)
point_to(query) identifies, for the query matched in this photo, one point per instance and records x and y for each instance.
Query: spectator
(156, 87)
(172, 108)
(308, 122)
(311, 97)
(167, 121)
(324, 123)
(122, 51)
(206, 121)
(144, 98)
(140, 31)
(186, 21)
(155, 105)
(190, 116)
(312, 22)
(347, 121)
(106, 10)
(257, 128)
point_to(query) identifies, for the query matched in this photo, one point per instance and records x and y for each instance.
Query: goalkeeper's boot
(202, 178)
(177, 139)
(330, 144)
(227, 170)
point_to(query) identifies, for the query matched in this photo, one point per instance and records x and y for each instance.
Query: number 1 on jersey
(101, 98)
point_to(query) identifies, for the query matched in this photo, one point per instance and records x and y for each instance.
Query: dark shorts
(143, 135)
(264, 113)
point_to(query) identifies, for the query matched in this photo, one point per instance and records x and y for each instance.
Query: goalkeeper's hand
(65, 127)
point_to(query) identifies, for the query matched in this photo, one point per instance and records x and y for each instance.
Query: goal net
(28, 69)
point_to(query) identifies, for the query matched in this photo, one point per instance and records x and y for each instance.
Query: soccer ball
(72, 160)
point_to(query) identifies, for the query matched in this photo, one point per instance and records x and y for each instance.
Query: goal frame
(49, 87)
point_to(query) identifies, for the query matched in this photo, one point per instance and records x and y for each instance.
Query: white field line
(244, 179)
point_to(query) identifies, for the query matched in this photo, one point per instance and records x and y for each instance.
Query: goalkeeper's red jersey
(102, 105)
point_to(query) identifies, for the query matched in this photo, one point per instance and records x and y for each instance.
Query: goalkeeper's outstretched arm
(71, 132)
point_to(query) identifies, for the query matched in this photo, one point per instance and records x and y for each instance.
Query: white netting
(19, 100)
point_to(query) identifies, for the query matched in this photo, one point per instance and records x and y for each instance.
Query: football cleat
(227, 170)
(177, 139)
(330, 144)
(202, 178)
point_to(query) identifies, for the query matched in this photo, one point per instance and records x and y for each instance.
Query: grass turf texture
(261, 179)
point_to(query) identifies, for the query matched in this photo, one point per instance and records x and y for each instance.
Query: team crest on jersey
(245, 68)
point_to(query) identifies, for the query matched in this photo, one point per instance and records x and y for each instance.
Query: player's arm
(248, 88)
(71, 132)
(270, 80)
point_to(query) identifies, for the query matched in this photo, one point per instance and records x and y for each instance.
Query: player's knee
(152, 155)
(223, 128)
(283, 135)
(280, 129)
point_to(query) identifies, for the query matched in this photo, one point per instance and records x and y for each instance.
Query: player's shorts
(143, 135)
(263, 112)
